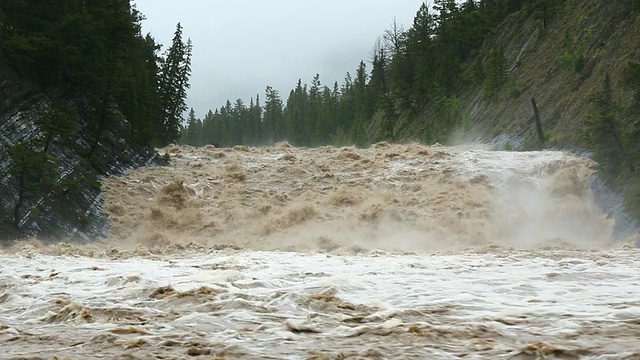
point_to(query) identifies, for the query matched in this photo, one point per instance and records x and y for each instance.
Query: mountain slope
(609, 35)
(75, 211)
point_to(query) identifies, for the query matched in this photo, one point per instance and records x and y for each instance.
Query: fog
(240, 47)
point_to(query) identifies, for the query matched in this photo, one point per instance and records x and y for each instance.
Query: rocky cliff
(605, 34)
(561, 63)
(76, 213)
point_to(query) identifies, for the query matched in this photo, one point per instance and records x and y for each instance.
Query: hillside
(83, 95)
(610, 36)
(471, 66)
(468, 71)
(603, 39)
(67, 203)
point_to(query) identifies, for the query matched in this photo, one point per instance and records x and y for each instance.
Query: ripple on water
(311, 305)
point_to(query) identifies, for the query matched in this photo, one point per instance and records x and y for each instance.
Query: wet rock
(79, 214)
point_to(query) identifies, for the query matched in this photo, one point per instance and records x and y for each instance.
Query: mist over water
(396, 251)
(390, 197)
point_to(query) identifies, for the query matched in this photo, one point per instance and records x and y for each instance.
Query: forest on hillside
(408, 69)
(96, 71)
(425, 66)
(97, 48)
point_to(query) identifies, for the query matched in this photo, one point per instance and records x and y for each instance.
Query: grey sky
(241, 46)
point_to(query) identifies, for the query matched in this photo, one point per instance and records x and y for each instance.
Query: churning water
(391, 252)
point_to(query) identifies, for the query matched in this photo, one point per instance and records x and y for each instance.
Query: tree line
(422, 66)
(97, 48)
(94, 51)
(408, 69)
(612, 131)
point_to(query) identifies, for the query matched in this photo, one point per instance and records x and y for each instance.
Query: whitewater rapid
(391, 252)
(279, 305)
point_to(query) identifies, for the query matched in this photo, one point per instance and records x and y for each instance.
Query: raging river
(390, 252)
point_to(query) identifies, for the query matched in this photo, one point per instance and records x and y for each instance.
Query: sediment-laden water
(391, 252)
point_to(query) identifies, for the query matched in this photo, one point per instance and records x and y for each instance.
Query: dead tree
(536, 115)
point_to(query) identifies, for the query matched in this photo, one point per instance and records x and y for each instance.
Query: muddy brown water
(391, 252)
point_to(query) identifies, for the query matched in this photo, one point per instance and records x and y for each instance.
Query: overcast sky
(241, 46)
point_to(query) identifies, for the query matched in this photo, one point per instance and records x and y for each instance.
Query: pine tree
(238, 123)
(604, 134)
(295, 113)
(411, 69)
(193, 134)
(313, 117)
(274, 127)
(33, 171)
(174, 82)
(56, 124)
(254, 122)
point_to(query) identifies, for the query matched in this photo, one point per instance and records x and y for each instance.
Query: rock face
(78, 214)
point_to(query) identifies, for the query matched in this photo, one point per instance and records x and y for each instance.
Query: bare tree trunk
(541, 139)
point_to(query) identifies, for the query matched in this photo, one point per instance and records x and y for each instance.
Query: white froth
(559, 298)
(397, 251)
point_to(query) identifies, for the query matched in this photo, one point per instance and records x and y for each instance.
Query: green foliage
(274, 117)
(631, 179)
(33, 172)
(193, 134)
(543, 10)
(340, 138)
(632, 82)
(389, 118)
(410, 70)
(450, 118)
(93, 55)
(56, 123)
(573, 58)
(174, 81)
(496, 72)
(96, 49)
(616, 150)
(515, 92)
(604, 133)
(632, 197)
(632, 5)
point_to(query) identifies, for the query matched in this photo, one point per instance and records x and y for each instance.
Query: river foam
(392, 197)
(391, 252)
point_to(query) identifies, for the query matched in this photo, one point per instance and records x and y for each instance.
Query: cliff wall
(75, 212)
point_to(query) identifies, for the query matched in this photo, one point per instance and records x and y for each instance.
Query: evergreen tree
(543, 9)
(174, 82)
(295, 113)
(313, 125)
(193, 134)
(238, 123)
(604, 134)
(274, 128)
(208, 129)
(34, 172)
(56, 123)
(410, 70)
(92, 54)
(254, 122)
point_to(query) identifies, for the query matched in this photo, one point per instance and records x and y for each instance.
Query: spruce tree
(604, 134)
(174, 82)
(273, 116)
(34, 172)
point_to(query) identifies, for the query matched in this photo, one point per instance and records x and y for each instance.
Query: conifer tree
(273, 116)
(34, 172)
(174, 82)
(410, 69)
(193, 134)
(603, 132)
